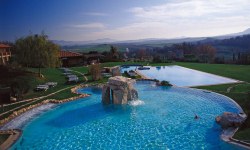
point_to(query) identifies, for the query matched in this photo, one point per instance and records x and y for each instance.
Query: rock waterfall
(119, 90)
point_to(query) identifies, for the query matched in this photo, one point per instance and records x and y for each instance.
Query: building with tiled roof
(69, 54)
(5, 54)
(70, 59)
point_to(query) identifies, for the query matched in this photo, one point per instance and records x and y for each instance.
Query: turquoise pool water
(163, 118)
(182, 76)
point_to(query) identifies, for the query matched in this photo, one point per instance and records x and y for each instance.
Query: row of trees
(182, 52)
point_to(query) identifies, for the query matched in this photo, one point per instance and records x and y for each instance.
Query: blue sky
(81, 20)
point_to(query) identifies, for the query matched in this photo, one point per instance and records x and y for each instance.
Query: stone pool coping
(227, 135)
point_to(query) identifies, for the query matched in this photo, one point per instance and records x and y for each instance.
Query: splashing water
(136, 102)
(21, 120)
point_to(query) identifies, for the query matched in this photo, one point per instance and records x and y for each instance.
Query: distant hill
(92, 47)
(238, 43)
(146, 41)
(92, 42)
(224, 43)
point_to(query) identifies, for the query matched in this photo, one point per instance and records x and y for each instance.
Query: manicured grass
(217, 88)
(62, 95)
(243, 135)
(50, 75)
(82, 69)
(241, 88)
(238, 72)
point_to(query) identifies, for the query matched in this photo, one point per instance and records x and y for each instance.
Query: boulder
(115, 71)
(119, 90)
(105, 94)
(229, 119)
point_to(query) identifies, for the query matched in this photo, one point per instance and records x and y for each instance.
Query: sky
(84, 20)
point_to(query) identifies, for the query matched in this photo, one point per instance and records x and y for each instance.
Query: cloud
(89, 26)
(177, 18)
(192, 9)
(95, 14)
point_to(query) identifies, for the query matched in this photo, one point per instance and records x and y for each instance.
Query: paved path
(231, 87)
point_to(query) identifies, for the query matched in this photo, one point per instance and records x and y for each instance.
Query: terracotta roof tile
(69, 54)
(4, 46)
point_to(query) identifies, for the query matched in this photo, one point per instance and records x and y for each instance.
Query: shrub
(165, 83)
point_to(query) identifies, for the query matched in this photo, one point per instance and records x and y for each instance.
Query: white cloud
(177, 18)
(192, 9)
(89, 26)
(185, 18)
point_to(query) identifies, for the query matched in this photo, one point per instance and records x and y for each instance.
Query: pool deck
(142, 75)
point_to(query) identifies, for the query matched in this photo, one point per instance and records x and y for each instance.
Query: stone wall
(23, 110)
(229, 119)
(115, 71)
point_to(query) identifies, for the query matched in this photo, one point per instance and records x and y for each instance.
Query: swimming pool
(182, 76)
(163, 118)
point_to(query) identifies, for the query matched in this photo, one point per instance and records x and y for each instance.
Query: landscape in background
(232, 48)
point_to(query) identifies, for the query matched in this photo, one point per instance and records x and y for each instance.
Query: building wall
(5, 55)
(72, 61)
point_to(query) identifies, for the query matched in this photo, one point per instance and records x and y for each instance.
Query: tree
(95, 71)
(19, 87)
(114, 52)
(37, 51)
(206, 53)
(141, 53)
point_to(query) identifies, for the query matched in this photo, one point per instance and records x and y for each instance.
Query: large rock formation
(119, 90)
(115, 71)
(228, 119)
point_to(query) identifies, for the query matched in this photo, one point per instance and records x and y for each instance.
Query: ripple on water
(163, 120)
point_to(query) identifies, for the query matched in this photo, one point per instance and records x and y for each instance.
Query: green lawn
(238, 72)
(50, 75)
